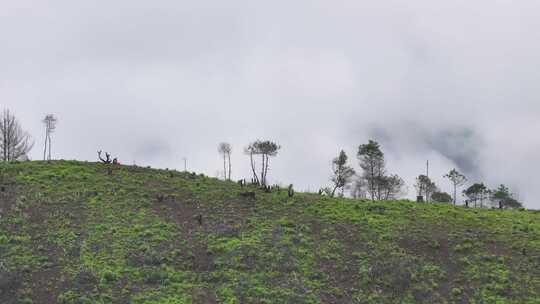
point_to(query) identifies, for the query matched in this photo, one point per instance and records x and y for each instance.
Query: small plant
(457, 292)
(290, 190)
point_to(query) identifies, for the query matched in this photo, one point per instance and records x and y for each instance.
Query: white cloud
(317, 76)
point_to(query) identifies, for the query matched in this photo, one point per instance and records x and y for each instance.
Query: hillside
(72, 233)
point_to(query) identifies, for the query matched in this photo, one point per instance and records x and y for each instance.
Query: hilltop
(70, 232)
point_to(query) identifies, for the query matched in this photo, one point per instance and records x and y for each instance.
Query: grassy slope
(70, 233)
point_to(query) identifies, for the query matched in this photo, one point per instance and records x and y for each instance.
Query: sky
(154, 82)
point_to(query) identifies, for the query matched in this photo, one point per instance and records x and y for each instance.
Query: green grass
(71, 233)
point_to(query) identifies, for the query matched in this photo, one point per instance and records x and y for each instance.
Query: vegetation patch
(74, 232)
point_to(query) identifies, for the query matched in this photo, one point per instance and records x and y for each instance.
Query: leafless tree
(15, 143)
(50, 125)
(107, 159)
(225, 149)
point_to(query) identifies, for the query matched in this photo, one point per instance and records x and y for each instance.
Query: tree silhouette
(50, 126)
(14, 142)
(342, 173)
(225, 149)
(457, 180)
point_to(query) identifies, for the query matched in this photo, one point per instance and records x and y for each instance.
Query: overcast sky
(456, 82)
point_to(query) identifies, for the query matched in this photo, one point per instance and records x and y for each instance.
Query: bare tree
(15, 143)
(50, 125)
(107, 159)
(457, 180)
(342, 173)
(225, 149)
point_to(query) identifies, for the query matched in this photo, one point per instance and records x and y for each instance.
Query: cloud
(459, 144)
(455, 82)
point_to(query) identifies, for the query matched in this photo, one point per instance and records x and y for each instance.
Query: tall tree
(265, 149)
(342, 173)
(476, 193)
(14, 142)
(225, 149)
(251, 150)
(501, 193)
(425, 187)
(268, 149)
(457, 180)
(504, 198)
(50, 126)
(372, 162)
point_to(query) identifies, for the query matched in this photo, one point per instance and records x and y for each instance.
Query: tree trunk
(253, 168)
(4, 139)
(263, 181)
(224, 167)
(50, 145)
(4, 131)
(229, 155)
(334, 190)
(372, 186)
(45, 150)
(266, 169)
(455, 194)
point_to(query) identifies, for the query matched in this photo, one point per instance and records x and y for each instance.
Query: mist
(454, 83)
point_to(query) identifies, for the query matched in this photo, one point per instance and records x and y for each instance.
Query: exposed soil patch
(343, 273)
(499, 249)
(48, 282)
(204, 296)
(188, 215)
(46, 285)
(8, 196)
(196, 219)
(9, 285)
(10, 282)
(435, 247)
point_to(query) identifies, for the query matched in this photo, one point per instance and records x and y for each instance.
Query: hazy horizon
(453, 83)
